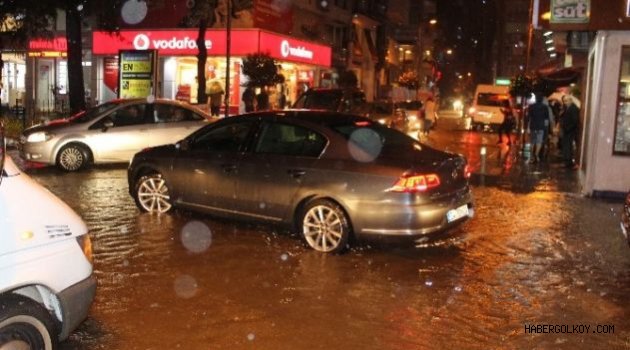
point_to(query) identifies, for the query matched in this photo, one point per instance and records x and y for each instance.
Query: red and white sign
(59, 44)
(183, 43)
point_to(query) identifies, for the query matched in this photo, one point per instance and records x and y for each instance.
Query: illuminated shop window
(621, 145)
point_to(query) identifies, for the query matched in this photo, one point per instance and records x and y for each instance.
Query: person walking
(548, 130)
(248, 99)
(216, 96)
(508, 123)
(538, 120)
(569, 124)
(262, 100)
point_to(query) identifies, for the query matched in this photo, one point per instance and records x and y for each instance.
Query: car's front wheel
(325, 226)
(73, 157)
(152, 194)
(24, 324)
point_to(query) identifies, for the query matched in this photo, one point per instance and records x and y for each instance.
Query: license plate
(457, 213)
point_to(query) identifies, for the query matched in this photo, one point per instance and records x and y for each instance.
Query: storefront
(301, 62)
(605, 159)
(13, 80)
(47, 67)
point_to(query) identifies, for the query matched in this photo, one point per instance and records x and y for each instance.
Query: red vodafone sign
(289, 49)
(183, 43)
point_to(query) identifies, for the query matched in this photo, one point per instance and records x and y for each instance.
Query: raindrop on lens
(150, 99)
(80, 7)
(284, 257)
(365, 145)
(428, 283)
(196, 236)
(251, 336)
(458, 289)
(185, 286)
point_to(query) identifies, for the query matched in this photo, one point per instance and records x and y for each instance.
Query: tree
(105, 13)
(201, 16)
(261, 70)
(409, 80)
(24, 19)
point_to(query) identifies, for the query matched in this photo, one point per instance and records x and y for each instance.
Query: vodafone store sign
(183, 43)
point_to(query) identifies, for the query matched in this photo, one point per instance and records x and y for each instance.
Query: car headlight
(39, 137)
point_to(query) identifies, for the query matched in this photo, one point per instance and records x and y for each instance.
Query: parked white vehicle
(487, 104)
(46, 281)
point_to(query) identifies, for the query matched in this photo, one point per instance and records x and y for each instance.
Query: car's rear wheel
(73, 157)
(325, 226)
(152, 194)
(24, 324)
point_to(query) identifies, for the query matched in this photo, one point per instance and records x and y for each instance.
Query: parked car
(110, 133)
(414, 110)
(46, 281)
(350, 100)
(625, 218)
(386, 113)
(332, 176)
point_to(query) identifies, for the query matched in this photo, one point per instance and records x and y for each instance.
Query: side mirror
(108, 124)
(183, 145)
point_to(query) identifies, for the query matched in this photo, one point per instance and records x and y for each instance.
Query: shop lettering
(570, 10)
(142, 42)
(286, 50)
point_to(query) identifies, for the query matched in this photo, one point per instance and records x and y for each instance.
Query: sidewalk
(505, 166)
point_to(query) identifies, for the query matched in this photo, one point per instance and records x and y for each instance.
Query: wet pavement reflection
(536, 253)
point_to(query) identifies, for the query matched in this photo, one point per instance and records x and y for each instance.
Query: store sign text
(299, 51)
(142, 42)
(570, 11)
(57, 44)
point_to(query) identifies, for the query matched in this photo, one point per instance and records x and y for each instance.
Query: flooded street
(535, 254)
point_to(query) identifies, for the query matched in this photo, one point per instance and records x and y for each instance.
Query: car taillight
(86, 245)
(416, 183)
(467, 171)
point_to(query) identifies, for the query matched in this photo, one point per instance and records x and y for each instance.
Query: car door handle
(296, 173)
(228, 168)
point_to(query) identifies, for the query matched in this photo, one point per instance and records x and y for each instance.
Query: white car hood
(30, 215)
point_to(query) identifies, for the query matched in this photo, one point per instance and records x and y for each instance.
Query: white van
(486, 108)
(46, 282)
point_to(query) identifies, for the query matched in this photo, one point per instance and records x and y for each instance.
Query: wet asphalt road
(537, 253)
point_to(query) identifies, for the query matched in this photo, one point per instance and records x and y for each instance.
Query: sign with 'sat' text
(570, 11)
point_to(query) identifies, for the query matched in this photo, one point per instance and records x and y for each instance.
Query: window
(224, 138)
(129, 115)
(291, 140)
(621, 146)
(166, 113)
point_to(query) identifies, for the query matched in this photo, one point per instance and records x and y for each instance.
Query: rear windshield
(327, 100)
(491, 100)
(372, 137)
(409, 105)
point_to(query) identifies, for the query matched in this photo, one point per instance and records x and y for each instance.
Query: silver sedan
(110, 133)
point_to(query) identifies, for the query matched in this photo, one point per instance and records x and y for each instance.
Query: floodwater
(535, 254)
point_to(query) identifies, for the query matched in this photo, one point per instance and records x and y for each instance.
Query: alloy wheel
(324, 228)
(71, 159)
(153, 195)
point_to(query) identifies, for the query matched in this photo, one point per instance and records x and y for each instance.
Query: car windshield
(365, 134)
(409, 105)
(327, 100)
(490, 99)
(90, 114)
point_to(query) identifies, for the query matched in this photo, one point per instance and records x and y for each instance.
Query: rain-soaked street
(537, 253)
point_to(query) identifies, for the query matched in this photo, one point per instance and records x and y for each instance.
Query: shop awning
(561, 76)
